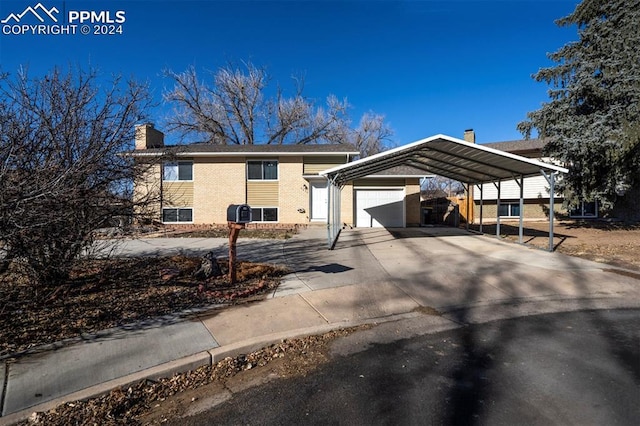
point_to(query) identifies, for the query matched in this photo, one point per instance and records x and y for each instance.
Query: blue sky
(429, 66)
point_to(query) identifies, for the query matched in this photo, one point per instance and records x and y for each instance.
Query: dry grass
(103, 294)
(615, 244)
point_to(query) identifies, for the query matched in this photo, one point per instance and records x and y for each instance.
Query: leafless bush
(62, 172)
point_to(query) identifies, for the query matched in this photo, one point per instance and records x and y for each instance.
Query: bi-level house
(535, 190)
(281, 184)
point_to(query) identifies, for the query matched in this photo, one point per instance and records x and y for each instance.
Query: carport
(466, 162)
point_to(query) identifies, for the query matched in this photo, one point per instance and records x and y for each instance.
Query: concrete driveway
(450, 270)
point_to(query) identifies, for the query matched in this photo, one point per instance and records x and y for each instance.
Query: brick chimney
(148, 137)
(470, 136)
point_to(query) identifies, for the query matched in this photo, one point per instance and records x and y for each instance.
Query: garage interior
(469, 163)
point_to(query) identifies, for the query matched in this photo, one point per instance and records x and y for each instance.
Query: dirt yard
(103, 294)
(610, 243)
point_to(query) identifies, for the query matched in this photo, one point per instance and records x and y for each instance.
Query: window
(585, 209)
(264, 214)
(179, 170)
(509, 210)
(262, 170)
(177, 215)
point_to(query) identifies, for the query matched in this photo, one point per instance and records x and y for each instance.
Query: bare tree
(440, 186)
(232, 109)
(62, 172)
(370, 135)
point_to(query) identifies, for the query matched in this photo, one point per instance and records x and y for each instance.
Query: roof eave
(242, 154)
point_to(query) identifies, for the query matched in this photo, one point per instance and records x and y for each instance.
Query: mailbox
(239, 213)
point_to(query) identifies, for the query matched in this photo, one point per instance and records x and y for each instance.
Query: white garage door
(376, 208)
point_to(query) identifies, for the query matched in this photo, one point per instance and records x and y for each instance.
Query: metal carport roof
(446, 156)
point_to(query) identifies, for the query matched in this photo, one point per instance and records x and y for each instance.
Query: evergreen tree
(592, 120)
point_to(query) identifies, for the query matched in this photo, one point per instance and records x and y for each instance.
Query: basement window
(177, 215)
(585, 210)
(264, 214)
(509, 210)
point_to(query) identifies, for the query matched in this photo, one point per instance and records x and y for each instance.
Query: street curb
(154, 373)
(192, 362)
(257, 343)
(475, 314)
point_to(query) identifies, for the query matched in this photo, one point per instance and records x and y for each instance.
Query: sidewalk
(372, 276)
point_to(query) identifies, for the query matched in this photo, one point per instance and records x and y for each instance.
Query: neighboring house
(535, 191)
(281, 183)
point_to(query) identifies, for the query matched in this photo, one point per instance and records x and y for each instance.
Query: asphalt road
(569, 368)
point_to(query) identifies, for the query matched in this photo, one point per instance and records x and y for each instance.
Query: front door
(319, 200)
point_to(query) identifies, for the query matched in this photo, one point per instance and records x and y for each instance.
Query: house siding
(314, 165)
(534, 187)
(263, 194)
(381, 182)
(177, 194)
(535, 195)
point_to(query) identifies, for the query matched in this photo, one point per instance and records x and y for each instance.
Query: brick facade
(219, 178)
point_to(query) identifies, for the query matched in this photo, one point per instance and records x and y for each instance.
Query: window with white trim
(264, 214)
(585, 209)
(177, 171)
(262, 170)
(177, 215)
(509, 210)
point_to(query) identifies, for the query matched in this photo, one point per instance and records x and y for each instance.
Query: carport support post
(334, 221)
(466, 188)
(497, 185)
(520, 226)
(551, 179)
(469, 206)
(481, 200)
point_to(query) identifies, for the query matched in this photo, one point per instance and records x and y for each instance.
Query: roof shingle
(205, 148)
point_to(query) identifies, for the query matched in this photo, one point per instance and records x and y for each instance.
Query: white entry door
(319, 200)
(376, 208)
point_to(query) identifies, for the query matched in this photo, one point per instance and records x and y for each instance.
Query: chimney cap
(468, 130)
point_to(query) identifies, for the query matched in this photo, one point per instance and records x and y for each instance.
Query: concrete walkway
(373, 275)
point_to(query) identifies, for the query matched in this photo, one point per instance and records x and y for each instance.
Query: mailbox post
(238, 215)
